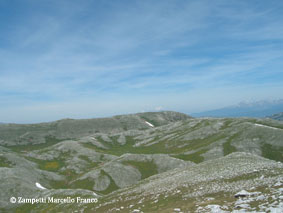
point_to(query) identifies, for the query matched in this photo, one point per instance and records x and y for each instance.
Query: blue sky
(92, 58)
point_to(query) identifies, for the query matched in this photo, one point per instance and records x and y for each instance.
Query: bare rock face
(163, 162)
(93, 141)
(122, 139)
(102, 182)
(123, 171)
(122, 175)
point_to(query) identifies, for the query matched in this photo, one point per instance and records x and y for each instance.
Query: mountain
(278, 116)
(146, 162)
(258, 109)
(52, 132)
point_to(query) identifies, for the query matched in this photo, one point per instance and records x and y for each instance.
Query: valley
(145, 162)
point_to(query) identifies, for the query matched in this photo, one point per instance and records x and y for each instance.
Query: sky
(95, 58)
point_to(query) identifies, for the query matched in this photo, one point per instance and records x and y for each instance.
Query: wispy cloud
(165, 53)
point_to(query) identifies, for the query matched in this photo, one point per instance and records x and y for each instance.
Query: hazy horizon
(69, 59)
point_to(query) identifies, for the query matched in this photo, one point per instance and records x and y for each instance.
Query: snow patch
(261, 125)
(149, 124)
(38, 185)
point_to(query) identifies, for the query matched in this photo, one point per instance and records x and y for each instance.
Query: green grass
(227, 123)
(227, 147)
(88, 183)
(49, 141)
(272, 152)
(112, 186)
(5, 163)
(91, 164)
(166, 146)
(118, 149)
(202, 143)
(51, 165)
(146, 169)
(195, 157)
(83, 184)
(242, 177)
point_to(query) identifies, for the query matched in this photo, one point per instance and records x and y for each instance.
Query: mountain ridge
(258, 109)
(74, 128)
(277, 116)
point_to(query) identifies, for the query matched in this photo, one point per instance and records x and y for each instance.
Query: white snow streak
(38, 185)
(151, 125)
(266, 126)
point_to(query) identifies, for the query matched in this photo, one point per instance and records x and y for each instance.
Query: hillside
(43, 133)
(122, 156)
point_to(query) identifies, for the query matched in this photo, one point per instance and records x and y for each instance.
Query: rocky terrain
(146, 162)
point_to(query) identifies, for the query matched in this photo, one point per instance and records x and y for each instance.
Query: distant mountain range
(278, 116)
(257, 109)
